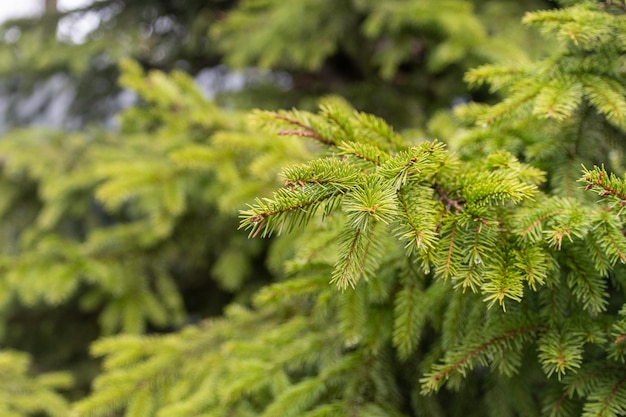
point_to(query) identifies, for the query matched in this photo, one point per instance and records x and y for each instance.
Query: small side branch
(308, 130)
(605, 184)
(449, 202)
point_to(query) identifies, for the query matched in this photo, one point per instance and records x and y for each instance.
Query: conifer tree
(478, 274)
(86, 214)
(486, 281)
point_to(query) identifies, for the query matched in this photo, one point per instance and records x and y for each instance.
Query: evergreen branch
(326, 171)
(364, 151)
(353, 316)
(296, 399)
(499, 76)
(581, 26)
(559, 99)
(606, 95)
(493, 187)
(308, 131)
(564, 216)
(23, 394)
(604, 184)
(407, 319)
(464, 312)
(449, 202)
(373, 129)
(361, 247)
(581, 383)
(608, 399)
(479, 244)
(340, 113)
(417, 224)
(360, 253)
(468, 276)
(303, 133)
(531, 228)
(360, 127)
(446, 263)
(432, 381)
(615, 245)
(533, 262)
(296, 287)
(372, 200)
(586, 283)
(420, 162)
(598, 254)
(411, 309)
(509, 106)
(560, 352)
(502, 281)
(288, 209)
(333, 409)
(350, 269)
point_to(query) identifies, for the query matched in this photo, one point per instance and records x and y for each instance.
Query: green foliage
(131, 230)
(380, 55)
(481, 274)
(573, 97)
(380, 194)
(22, 394)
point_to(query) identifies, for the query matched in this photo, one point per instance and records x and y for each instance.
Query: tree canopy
(425, 217)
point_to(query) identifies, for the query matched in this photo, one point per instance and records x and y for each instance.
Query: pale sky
(12, 8)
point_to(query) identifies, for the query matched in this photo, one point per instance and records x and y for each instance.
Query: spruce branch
(560, 352)
(296, 399)
(449, 256)
(581, 383)
(297, 123)
(479, 243)
(478, 351)
(486, 189)
(617, 352)
(587, 285)
(408, 318)
(372, 200)
(418, 163)
(417, 223)
(373, 129)
(600, 259)
(607, 399)
(307, 131)
(606, 95)
(325, 171)
(559, 99)
(534, 263)
(502, 281)
(365, 152)
(552, 221)
(353, 314)
(449, 202)
(604, 184)
(533, 231)
(498, 76)
(287, 290)
(582, 26)
(411, 309)
(607, 231)
(360, 252)
(288, 209)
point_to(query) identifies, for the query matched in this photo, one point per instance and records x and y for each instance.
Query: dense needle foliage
(318, 261)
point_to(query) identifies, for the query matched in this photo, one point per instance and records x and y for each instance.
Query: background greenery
(477, 278)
